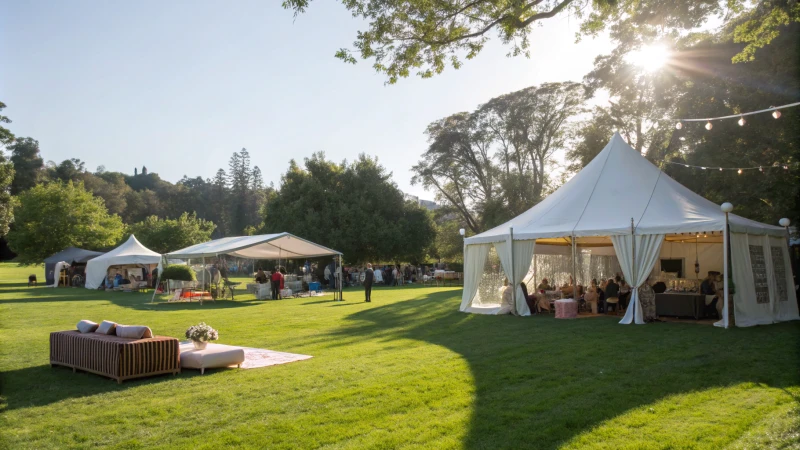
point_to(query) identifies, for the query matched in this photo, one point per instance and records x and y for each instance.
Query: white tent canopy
(620, 194)
(620, 184)
(130, 252)
(265, 246)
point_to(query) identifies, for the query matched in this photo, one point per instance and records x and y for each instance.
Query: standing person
(275, 284)
(369, 275)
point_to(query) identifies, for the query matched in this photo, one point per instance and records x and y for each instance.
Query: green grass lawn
(406, 371)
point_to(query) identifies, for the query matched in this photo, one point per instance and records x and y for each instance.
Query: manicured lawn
(406, 371)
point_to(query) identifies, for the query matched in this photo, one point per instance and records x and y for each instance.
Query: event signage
(759, 267)
(780, 274)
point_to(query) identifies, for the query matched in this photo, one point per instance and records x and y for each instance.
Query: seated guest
(708, 289)
(261, 277)
(567, 289)
(612, 294)
(507, 300)
(534, 301)
(592, 296)
(660, 287)
(544, 285)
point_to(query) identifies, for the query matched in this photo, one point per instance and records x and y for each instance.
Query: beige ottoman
(213, 356)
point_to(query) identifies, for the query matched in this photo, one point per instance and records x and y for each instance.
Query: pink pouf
(566, 309)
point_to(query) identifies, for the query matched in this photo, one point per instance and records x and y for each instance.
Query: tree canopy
(418, 36)
(53, 216)
(166, 235)
(351, 207)
(6, 176)
(494, 163)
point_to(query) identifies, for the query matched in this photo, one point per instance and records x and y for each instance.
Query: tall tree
(6, 136)
(352, 207)
(494, 163)
(219, 202)
(28, 164)
(6, 176)
(53, 216)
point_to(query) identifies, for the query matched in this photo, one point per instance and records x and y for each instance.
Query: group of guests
(598, 297)
(275, 279)
(614, 292)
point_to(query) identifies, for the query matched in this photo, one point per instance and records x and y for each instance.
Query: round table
(566, 309)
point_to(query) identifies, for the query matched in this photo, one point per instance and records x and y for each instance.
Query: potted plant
(200, 334)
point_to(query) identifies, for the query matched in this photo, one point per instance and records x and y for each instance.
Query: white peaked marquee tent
(132, 252)
(622, 198)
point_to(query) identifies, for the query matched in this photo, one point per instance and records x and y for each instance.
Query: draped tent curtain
(636, 270)
(523, 259)
(474, 260)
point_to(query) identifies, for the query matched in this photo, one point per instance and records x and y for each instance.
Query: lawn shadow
(133, 300)
(541, 382)
(53, 385)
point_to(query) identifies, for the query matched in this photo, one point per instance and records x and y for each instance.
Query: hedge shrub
(178, 272)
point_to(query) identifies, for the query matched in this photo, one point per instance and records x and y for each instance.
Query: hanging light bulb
(741, 121)
(703, 168)
(679, 125)
(760, 169)
(709, 126)
(720, 169)
(776, 114)
(739, 171)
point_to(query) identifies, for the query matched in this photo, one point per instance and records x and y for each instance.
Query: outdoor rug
(259, 357)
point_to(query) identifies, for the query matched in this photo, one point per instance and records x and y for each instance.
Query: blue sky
(178, 86)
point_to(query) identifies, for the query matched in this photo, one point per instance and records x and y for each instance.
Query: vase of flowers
(200, 334)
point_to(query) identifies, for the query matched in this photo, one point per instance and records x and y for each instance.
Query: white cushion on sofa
(87, 326)
(106, 327)
(133, 331)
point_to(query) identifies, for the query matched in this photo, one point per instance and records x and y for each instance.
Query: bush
(178, 272)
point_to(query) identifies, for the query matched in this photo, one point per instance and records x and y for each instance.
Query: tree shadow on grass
(133, 300)
(540, 382)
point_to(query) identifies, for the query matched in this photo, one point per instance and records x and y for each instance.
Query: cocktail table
(213, 356)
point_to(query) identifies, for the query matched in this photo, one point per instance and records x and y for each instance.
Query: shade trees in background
(28, 164)
(166, 235)
(699, 80)
(351, 207)
(494, 163)
(770, 79)
(53, 216)
(6, 176)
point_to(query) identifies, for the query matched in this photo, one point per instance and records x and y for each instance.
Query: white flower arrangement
(202, 333)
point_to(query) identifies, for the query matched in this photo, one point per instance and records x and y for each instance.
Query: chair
(613, 301)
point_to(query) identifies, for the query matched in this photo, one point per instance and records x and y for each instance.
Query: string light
(774, 109)
(709, 126)
(739, 170)
(741, 121)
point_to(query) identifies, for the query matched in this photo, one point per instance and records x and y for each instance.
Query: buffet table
(680, 304)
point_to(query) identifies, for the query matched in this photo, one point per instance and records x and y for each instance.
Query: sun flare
(649, 57)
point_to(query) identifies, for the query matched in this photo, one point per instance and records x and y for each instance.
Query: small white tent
(130, 252)
(619, 195)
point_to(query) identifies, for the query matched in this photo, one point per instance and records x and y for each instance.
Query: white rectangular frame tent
(264, 246)
(130, 252)
(622, 196)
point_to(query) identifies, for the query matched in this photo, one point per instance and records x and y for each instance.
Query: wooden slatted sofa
(115, 357)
